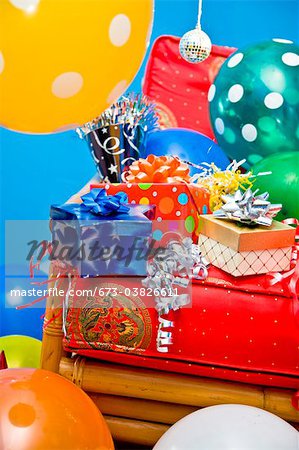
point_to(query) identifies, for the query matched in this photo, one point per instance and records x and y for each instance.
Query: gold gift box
(242, 250)
(243, 238)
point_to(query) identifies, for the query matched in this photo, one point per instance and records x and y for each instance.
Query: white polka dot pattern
(282, 41)
(2, 63)
(219, 124)
(235, 93)
(28, 6)
(212, 92)
(120, 30)
(274, 100)
(290, 59)
(249, 132)
(67, 84)
(257, 99)
(235, 60)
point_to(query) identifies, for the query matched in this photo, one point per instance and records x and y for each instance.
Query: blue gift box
(103, 235)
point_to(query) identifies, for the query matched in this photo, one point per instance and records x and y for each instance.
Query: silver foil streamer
(176, 265)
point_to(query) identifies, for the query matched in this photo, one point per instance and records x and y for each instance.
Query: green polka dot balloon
(254, 101)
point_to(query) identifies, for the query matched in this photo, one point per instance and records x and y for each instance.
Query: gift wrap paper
(244, 238)
(74, 228)
(178, 203)
(105, 321)
(245, 263)
(241, 250)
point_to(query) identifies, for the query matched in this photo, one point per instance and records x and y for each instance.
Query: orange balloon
(40, 410)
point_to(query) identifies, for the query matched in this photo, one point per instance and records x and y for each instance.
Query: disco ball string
(195, 45)
(199, 14)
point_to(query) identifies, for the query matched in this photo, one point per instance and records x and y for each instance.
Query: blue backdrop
(39, 170)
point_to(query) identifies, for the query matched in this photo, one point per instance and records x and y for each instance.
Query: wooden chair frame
(140, 405)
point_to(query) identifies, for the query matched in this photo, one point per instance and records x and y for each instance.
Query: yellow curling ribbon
(223, 182)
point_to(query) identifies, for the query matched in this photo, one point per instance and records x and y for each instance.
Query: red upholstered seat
(179, 88)
(237, 329)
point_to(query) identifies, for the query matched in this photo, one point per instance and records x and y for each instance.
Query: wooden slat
(132, 382)
(163, 387)
(148, 410)
(137, 431)
(278, 402)
(52, 349)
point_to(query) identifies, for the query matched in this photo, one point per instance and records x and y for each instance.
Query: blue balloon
(188, 145)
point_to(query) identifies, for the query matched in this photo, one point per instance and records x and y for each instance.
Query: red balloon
(40, 410)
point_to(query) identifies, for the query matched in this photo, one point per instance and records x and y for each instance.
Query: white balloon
(230, 427)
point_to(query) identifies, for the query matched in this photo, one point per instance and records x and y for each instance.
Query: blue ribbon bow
(99, 203)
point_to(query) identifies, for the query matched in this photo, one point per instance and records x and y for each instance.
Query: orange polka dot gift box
(165, 182)
(177, 203)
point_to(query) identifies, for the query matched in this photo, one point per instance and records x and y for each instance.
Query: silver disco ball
(195, 46)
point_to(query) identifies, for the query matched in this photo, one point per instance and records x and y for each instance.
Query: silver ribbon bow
(248, 208)
(175, 265)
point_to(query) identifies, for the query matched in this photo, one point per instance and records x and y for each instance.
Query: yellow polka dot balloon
(63, 62)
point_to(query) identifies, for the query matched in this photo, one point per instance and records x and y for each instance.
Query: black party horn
(117, 137)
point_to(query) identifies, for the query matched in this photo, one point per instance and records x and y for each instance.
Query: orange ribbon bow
(158, 169)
